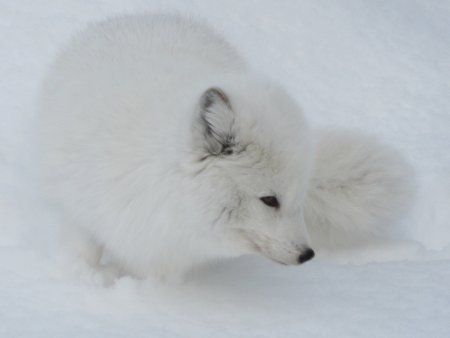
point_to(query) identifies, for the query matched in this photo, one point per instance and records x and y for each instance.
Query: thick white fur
(150, 164)
(161, 173)
(358, 189)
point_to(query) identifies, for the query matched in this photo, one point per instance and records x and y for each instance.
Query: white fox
(163, 148)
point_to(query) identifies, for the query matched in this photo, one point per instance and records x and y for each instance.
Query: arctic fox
(163, 148)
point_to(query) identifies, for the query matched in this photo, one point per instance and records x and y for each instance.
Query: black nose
(306, 255)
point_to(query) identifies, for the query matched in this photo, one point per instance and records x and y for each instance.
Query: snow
(381, 67)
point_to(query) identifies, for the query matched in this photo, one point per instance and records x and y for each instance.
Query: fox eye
(270, 201)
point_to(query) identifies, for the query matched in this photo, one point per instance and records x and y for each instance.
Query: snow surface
(378, 66)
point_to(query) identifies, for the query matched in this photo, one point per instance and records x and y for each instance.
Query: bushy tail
(359, 188)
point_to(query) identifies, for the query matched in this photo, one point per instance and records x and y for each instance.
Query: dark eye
(270, 201)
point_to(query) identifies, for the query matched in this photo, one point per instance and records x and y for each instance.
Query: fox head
(252, 148)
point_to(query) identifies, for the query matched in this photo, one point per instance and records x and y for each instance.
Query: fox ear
(217, 122)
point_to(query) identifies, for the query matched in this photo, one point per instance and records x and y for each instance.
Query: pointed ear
(217, 122)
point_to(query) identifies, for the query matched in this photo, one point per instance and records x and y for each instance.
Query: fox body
(162, 147)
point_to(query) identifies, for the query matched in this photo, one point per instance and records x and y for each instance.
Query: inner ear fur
(217, 121)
